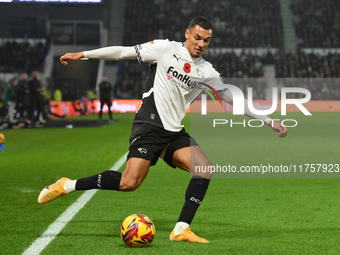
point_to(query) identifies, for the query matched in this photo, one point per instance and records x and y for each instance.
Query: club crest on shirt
(199, 73)
(142, 150)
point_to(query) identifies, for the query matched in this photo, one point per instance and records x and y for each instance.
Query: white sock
(70, 186)
(179, 228)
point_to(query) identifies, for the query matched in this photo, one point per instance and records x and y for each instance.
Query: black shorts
(147, 141)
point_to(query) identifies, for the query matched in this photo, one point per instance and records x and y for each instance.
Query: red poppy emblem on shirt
(187, 68)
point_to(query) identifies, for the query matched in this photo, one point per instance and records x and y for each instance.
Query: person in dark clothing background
(105, 90)
(22, 92)
(35, 88)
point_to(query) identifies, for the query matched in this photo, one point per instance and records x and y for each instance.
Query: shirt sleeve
(215, 81)
(151, 51)
(112, 53)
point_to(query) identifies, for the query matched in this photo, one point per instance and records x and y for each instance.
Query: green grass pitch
(238, 216)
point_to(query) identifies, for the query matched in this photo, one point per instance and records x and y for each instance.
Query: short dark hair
(203, 22)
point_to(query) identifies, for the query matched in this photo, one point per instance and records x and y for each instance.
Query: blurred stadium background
(262, 39)
(262, 43)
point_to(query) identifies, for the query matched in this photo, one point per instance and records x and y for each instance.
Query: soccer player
(176, 69)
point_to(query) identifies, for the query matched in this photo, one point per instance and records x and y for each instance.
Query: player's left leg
(187, 158)
(102, 102)
(135, 172)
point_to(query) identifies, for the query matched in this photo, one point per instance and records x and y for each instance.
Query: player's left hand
(279, 128)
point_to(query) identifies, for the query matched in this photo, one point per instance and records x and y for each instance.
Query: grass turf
(238, 215)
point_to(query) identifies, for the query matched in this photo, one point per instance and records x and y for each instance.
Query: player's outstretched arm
(107, 53)
(71, 56)
(276, 126)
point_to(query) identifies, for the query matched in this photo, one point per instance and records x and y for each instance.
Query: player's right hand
(279, 128)
(71, 56)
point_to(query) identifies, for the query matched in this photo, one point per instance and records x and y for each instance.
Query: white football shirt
(174, 80)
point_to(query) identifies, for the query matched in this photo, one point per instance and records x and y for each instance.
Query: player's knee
(181, 158)
(206, 174)
(128, 185)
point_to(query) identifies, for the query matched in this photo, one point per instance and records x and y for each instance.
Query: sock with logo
(106, 180)
(193, 197)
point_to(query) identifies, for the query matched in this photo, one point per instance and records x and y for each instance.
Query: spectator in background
(36, 99)
(85, 101)
(241, 70)
(58, 95)
(18, 56)
(22, 92)
(46, 98)
(246, 23)
(117, 91)
(105, 90)
(10, 98)
(92, 96)
(3, 106)
(316, 23)
(303, 66)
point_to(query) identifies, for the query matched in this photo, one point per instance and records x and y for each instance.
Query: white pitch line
(119, 163)
(54, 229)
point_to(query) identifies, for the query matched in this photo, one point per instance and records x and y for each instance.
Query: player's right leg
(109, 106)
(186, 154)
(132, 177)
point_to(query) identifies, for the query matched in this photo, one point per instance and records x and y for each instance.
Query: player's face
(198, 40)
